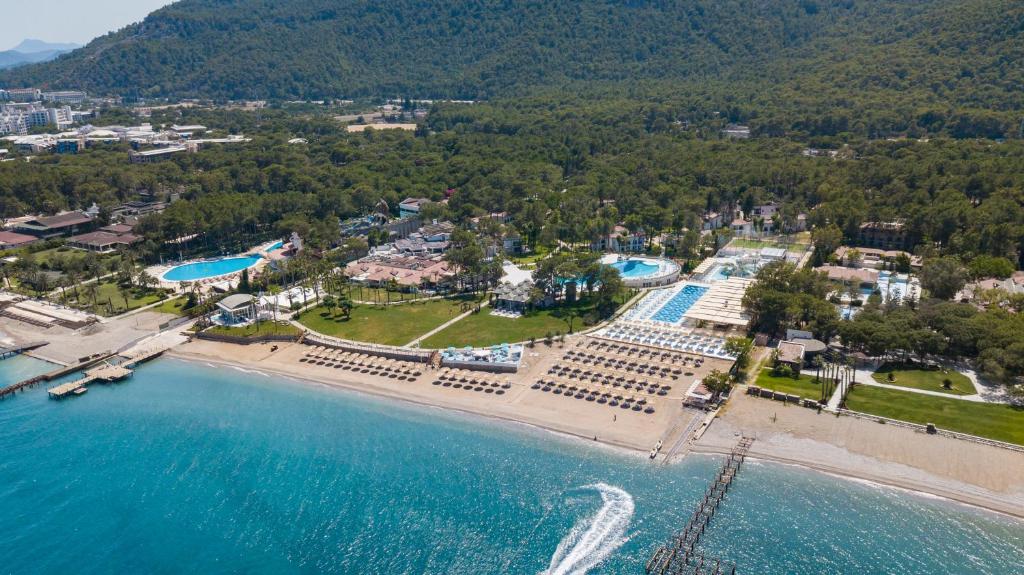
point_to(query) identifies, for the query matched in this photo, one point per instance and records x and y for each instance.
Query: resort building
(64, 97)
(63, 224)
(515, 298)
(791, 353)
(712, 221)
(850, 276)
(621, 240)
(158, 154)
(873, 258)
(883, 235)
(237, 309)
(407, 271)
(105, 240)
(23, 94)
(411, 207)
(9, 240)
(736, 132)
(698, 396)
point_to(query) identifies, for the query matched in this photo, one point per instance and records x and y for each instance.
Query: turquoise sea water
(186, 468)
(20, 367)
(202, 270)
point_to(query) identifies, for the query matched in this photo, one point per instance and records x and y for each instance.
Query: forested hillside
(814, 66)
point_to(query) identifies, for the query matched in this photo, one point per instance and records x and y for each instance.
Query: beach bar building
(237, 309)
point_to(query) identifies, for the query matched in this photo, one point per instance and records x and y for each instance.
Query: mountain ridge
(807, 58)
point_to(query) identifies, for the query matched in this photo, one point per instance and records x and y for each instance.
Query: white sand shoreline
(365, 391)
(923, 490)
(819, 456)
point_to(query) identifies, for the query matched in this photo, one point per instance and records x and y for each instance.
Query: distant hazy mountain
(33, 46)
(31, 51)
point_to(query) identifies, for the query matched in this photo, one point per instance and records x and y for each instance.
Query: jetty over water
(58, 373)
(680, 557)
(107, 372)
(16, 349)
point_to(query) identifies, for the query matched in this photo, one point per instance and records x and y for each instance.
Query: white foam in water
(593, 539)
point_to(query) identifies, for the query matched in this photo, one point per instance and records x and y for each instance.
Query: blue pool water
(674, 308)
(203, 270)
(190, 469)
(633, 268)
(275, 246)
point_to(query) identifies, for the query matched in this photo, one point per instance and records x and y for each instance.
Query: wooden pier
(58, 373)
(16, 349)
(680, 557)
(107, 373)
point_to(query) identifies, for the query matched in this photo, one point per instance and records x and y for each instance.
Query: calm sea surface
(189, 468)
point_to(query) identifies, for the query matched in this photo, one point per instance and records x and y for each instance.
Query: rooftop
(235, 301)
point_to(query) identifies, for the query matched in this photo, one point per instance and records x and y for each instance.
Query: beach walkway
(460, 317)
(16, 349)
(863, 377)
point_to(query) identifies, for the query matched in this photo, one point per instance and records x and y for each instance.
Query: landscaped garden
(109, 298)
(804, 385)
(992, 420)
(391, 325)
(923, 378)
(256, 329)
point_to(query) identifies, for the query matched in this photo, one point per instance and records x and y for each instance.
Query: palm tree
(91, 290)
(125, 292)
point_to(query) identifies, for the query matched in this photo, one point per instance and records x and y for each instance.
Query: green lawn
(172, 306)
(931, 380)
(532, 258)
(391, 325)
(804, 387)
(484, 329)
(110, 301)
(994, 421)
(380, 295)
(262, 328)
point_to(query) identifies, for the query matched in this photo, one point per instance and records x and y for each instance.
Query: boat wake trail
(593, 539)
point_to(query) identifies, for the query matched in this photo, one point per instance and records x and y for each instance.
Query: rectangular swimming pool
(675, 308)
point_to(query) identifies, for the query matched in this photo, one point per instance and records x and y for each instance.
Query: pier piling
(679, 557)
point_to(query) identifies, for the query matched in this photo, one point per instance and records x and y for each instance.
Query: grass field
(931, 380)
(804, 387)
(110, 301)
(532, 258)
(391, 325)
(483, 329)
(994, 421)
(380, 295)
(263, 328)
(69, 254)
(172, 306)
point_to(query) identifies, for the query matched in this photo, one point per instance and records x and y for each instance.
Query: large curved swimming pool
(209, 269)
(641, 271)
(635, 268)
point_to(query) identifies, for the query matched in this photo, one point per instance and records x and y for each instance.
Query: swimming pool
(202, 270)
(275, 246)
(632, 268)
(643, 271)
(675, 308)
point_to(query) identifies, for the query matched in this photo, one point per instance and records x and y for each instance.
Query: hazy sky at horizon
(69, 20)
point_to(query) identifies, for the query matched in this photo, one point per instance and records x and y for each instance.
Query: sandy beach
(587, 420)
(976, 474)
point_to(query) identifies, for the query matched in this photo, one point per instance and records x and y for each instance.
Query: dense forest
(565, 171)
(819, 67)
